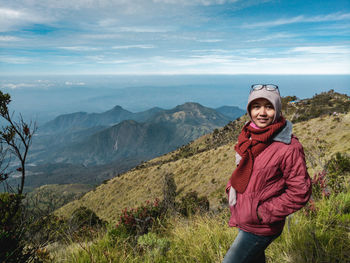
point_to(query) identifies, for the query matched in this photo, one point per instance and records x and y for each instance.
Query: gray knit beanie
(272, 96)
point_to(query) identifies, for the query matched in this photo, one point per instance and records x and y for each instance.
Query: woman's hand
(232, 197)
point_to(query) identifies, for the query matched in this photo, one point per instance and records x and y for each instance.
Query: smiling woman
(270, 181)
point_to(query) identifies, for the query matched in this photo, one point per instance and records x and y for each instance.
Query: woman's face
(262, 112)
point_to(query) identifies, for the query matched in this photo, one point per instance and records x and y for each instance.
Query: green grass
(319, 236)
(322, 237)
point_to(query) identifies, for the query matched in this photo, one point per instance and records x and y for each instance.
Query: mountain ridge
(103, 144)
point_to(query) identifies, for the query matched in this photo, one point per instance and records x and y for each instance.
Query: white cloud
(101, 36)
(114, 61)
(271, 37)
(9, 38)
(69, 83)
(80, 48)
(15, 60)
(134, 46)
(107, 22)
(300, 19)
(7, 13)
(343, 50)
(210, 51)
(196, 2)
(16, 86)
(110, 3)
(210, 40)
(143, 29)
(10, 19)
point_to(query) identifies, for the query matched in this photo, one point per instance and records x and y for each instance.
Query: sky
(145, 37)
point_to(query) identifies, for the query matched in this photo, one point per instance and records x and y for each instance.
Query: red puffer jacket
(279, 185)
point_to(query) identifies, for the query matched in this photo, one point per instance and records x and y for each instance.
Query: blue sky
(39, 37)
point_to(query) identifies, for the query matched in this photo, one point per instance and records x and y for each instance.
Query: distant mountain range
(82, 120)
(100, 138)
(82, 144)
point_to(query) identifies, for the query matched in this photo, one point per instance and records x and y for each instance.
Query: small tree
(169, 193)
(15, 140)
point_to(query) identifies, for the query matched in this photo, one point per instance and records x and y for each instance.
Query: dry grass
(206, 172)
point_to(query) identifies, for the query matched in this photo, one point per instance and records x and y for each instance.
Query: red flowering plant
(320, 185)
(320, 190)
(138, 221)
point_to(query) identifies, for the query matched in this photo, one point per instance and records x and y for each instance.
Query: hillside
(48, 198)
(231, 112)
(207, 170)
(62, 173)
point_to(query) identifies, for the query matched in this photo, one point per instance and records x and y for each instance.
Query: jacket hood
(285, 135)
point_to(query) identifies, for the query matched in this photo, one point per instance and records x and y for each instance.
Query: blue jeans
(248, 248)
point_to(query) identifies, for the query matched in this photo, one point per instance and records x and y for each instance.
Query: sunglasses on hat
(269, 87)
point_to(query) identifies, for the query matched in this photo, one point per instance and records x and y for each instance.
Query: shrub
(47, 229)
(138, 221)
(10, 209)
(12, 246)
(154, 245)
(322, 236)
(169, 193)
(338, 168)
(319, 186)
(84, 216)
(191, 204)
(84, 222)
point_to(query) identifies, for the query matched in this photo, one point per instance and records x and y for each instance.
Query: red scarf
(251, 142)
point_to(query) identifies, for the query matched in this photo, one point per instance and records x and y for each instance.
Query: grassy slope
(205, 172)
(53, 196)
(61, 189)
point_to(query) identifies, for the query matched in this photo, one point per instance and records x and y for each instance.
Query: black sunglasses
(269, 87)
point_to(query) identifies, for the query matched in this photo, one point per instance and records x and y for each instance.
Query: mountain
(231, 112)
(83, 120)
(143, 116)
(164, 131)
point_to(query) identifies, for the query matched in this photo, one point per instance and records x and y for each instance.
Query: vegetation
(180, 227)
(48, 198)
(15, 140)
(317, 234)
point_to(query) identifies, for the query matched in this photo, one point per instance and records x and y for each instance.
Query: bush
(319, 186)
(84, 216)
(47, 229)
(338, 168)
(169, 193)
(84, 222)
(154, 245)
(191, 204)
(12, 245)
(322, 236)
(10, 209)
(138, 221)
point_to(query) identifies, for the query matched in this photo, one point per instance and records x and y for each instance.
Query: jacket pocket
(247, 210)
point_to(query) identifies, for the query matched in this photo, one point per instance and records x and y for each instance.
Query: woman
(271, 179)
